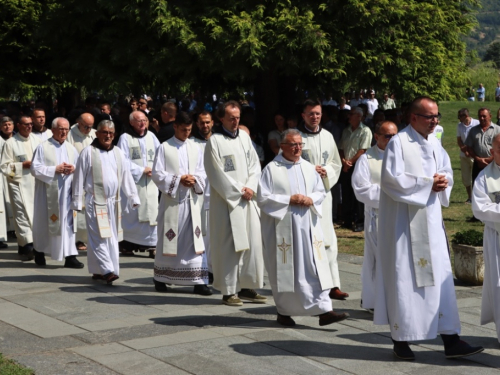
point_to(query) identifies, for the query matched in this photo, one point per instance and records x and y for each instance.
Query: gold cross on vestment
(396, 327)
(317, 245)
(423, 262)
(102, 214)
(54, 218)
(284, 247)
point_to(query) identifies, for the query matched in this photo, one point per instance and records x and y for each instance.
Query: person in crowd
(466, 161)
(39, 129)
(273, 139)
(290, 196)
(415, 293)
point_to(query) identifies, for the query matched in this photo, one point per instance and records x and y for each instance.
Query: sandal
(81, 246)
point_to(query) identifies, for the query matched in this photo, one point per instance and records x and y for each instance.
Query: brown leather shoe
(285, 320)
(336, 293)
(331, 317)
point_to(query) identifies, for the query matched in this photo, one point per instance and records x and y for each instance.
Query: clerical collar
(281, 159)
(197, 135)
(222, 130)
(304, 129)
(4, 136)
(44, 129)
(22, 137)
(177, 140)
(55, 141)
(95, 143)
(131, 131)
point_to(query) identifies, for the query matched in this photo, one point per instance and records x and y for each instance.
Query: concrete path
(58, 321)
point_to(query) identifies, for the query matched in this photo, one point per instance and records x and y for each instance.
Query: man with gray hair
(54, 226)
(466, 161)
(356, 139)
(139, 226)
(290, 196)
(101, 172)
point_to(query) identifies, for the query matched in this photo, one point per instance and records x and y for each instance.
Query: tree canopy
(493, 54)
(410, 47)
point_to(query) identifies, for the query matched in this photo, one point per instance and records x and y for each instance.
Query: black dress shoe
(285, 320)
(160, 287)
(461, 349)
(39, 258)
(331, 317)
(210, 278)
(3, 245)
(202, 290)
(402, 350)
(72, 262)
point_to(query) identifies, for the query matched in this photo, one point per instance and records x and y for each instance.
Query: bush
(470, 237)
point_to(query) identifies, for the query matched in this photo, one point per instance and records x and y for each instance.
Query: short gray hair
(131, 116)
(106, 124)
(358, 110)
(56, 120)
(6, 119)
(287, 132)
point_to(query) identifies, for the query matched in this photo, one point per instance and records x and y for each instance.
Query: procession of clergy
(220, 214)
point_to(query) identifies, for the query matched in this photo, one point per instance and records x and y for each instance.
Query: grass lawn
(9, 367)
(457, 215)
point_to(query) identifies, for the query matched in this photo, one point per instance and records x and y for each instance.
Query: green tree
(493, 54)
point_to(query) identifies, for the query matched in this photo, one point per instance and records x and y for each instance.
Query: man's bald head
(85, 122)
(384, 131)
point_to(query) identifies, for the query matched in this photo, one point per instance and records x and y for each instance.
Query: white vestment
(43, 136)
(8, 213)
(367, 190)
(231, 164)
(62, 244)
(486, 207)
(413, 312)
(205, 222)
(320, 149)
(134, 230)
(102, 253)
(21, 183)
(3, 201)
(296, 263)
(80, 141)
(188, 266)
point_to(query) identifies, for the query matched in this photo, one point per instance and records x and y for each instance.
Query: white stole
(52, 189)
(284, 235)
(100, 204)
(492, 176)
(325, 154)
(171, 214)
(375, 160)
(147, 190)
(419, 230)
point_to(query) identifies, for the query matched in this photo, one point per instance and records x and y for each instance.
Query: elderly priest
(54, 226)
(290, 196)
(101, 172)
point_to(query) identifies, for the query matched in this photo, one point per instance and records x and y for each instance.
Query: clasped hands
(321, 171)
(440, 182)
(188, 180)
(65, 168)
(300, 200)
(346, 165)
(148, 171)
(247, 193)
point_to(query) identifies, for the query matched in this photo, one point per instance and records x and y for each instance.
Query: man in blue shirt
(480, 93)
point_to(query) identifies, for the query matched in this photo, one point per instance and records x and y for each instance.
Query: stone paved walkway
(58, 321)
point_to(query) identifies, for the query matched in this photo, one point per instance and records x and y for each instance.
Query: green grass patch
(457, 216)
(10, 367)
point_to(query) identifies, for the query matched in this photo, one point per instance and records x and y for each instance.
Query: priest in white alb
(415, 293)
(52, 166)
(179, 174)
(201, 135)
(290, 196)
(320, 150)
(81, 135)
(233, 170)
(102, 172)
(366, 185)
(486, 207)
(139, 226)
(15, 165)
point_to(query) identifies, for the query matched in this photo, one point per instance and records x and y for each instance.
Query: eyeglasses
(63, 130)
(430, 117)
(389, 136)
(294, 145)
(27, 124)
(142, 121)
(105, 132)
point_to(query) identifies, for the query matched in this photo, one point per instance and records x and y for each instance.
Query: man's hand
(188, 180)
(26, 164)
(300, 200)
(346, 165)
(148, 171)
(321, 171)
(481, 162)
(65, 168)
(440, 183)
(247, 193)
